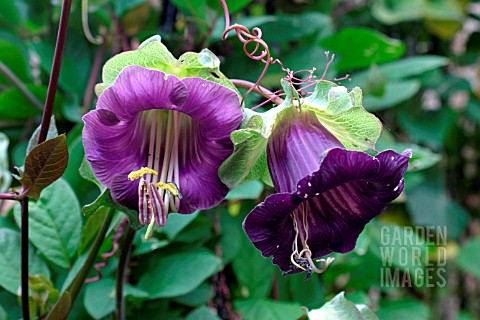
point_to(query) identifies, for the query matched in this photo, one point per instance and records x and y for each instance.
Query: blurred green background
(417, 64)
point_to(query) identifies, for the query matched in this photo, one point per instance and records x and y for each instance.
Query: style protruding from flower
(326, 194)
(157, 142)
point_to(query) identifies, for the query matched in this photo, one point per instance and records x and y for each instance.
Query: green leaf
(404, 309)
(178, 222)
(295, 288)
(422, 158)
(430, 127)
(473, 111)
(248, 190)
(89, 232)
(392, 244)
(122, 6)
(51, 133)
(197, 297)
(61, 308)
(55, 223)
(5, 174)
(412, 66)
(429, 205)
(468, 258)
(233, 5)
(283, 28)
(99, 299)
(15, 106)
(394, 93)
(3, 314)
(143, 246)
(341, 112)
(105, 200)
(75, 62)
(10, 261)
(44, 164)
(392, 12)
(231, 229)
(254, 272)
(14, 56)
(340, 308)
(178, 274)
(197, 8)
(202, 313)
(267, 309)
(370, 46)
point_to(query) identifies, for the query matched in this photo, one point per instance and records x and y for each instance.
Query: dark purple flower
(157, 141)
(326, 194)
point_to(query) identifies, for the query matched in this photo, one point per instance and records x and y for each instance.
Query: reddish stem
(55, 73)
(271, 96)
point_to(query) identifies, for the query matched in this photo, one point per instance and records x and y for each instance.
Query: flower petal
(295, 148)
(205, 142)
(116, 134)
(270, 227)
(125, 193)
(137, 89)
(347, 192)
(113, 146)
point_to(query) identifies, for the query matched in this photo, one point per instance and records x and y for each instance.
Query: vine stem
(24, 258)
(19, 84)
(77, 283)
(257, 89)
(121, 273)
(47, 114)
(55, 72)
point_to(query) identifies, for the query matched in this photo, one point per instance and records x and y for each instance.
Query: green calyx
(342, 113)
(153, 54)
(338, 110)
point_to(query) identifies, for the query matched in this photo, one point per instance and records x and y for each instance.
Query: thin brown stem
(19, 84)
(24, 258)
(257, 89)
(8, 196)
(55, 73)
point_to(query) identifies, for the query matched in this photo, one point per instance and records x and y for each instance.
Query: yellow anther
(139, 173)
(171, 187)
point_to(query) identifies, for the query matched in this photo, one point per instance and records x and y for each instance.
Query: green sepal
(249, 161)
(338, 110)
(105, 200)
(341, 112)
(153, 54)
